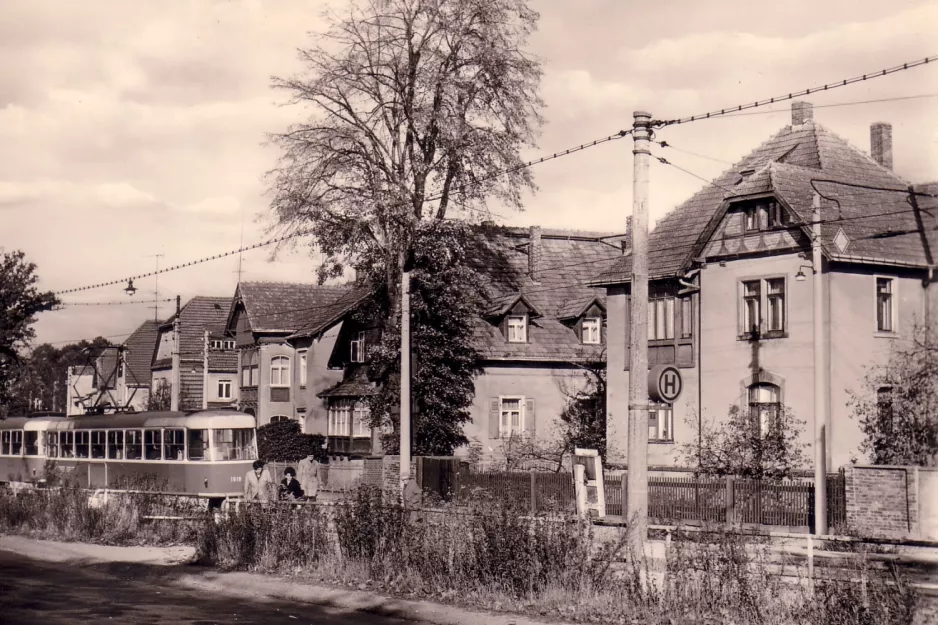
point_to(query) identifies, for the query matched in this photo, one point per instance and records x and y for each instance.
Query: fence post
(730, 500)
(533, 493)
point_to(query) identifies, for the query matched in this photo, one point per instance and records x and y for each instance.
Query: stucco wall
(214, 378)
(319, 377)
(265, 407)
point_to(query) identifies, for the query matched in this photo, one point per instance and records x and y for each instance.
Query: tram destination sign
(665, 383)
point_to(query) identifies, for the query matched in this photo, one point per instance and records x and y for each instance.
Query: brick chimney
(801, 113)
(881, 143)
(534, 253)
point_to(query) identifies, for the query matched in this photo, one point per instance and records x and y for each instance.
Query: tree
(897, 405)
(47, 370)
(20, 302)
(583, 420)
(160, 398)
(284, 442)
(420, 110)
(741, 446)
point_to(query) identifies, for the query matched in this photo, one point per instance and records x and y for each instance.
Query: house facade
(732, 288)
(134, 376)
(195, 359)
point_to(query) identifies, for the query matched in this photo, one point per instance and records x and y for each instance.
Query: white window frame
(505, 430)
(303, 371)
(512, 330)
(360, 420)
(744, 330)
(664, 429)
(340, 407)
(357, 348)
(894, 294)
(277, 418)
(227, 387)
(276, 364)
(661, 318)
(750, 404)
(595, 334)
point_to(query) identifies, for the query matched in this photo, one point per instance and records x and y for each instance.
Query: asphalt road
(50, 593)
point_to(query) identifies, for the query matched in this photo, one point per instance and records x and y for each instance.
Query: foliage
(741, 447)
(160, 399)
(446, 297)
(900, 425)
(283, 441)
(20, 302)
(583, 420)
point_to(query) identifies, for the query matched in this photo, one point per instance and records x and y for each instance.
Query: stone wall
(882, 501)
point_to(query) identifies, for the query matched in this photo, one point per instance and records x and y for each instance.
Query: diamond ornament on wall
(841, 241)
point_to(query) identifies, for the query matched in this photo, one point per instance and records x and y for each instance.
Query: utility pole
(637, 504)
(405, 381)
(820, 376)
(177, 373)
(156, 292)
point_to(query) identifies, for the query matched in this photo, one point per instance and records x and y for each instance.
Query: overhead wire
(837, 104)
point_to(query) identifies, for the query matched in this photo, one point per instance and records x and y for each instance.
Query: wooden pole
(405, 381)
(637, 476)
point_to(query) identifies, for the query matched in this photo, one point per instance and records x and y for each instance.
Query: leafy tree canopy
(284, 442)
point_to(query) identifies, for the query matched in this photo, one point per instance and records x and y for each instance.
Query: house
(731, 290)
(276, 364)
(135, 377)
(193, 357)
(80, 390)
(541, 326)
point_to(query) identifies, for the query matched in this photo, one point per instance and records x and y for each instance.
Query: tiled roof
(201, 313)
(138, 354)
(785, 164)
(355, 384)
(326, 311)
(283, 307)
(223, 360)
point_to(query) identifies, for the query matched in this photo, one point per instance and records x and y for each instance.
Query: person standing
(257, 483)
(308, 475)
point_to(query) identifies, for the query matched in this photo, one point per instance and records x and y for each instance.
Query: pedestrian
(308, 475)
(257, 483)
(290, 488)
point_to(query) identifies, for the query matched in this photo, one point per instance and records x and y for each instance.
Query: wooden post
(821, 387)
(810, 563)
(730, 500)
(405, 382)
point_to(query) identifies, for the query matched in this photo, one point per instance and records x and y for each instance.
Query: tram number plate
(235, 478)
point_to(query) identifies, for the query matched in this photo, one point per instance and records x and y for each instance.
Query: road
(50, 593)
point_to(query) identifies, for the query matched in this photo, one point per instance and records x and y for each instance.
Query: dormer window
(591, 331)
(358, 348)
(517, 328)
(765, 215)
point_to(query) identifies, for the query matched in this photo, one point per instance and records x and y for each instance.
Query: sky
(129, 130)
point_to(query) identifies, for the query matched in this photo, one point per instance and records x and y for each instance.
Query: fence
(788, 503)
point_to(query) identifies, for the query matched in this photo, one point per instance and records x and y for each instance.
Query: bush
(284, 442)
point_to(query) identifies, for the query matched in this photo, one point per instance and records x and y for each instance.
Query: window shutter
(494, 414)
(530, 423)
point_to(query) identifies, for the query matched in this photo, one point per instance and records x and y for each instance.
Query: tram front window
(134, 442)
(32, 443)
(237, 444)
(198, 444)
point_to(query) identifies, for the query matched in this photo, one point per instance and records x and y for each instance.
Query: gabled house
(541, 325)
(731, 292)
(276, 366)
(134, 376)
(194, 358)
(80, 389)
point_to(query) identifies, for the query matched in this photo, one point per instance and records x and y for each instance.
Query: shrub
(284, 442)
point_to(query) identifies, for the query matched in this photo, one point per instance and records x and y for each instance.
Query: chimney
(627, 241)
(881, 143)
(534, 253)
(801, 113)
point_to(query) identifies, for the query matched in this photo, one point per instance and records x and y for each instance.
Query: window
(687, 317)
(660, 423)
(511, 421)
(357, 348)
(134, 441)
(5, 443)
(115, 444)
(224, 389)
(661, 318)
(885, 305)
(765, 216)
(764, 406)
(222, 344)
(302, 357)
(763, 307)
(198, 444)
(31, 447)
(82, 442)
(884, 404)
(280, 371)
(592, 330)
(16, 447)
(752, 219)
(52, 444)
(67, 442)
(153, 444)
(174, 444)
(237, 444)
(518, 329)
(361, 420)
(99, 444)
(280, 417)
(340, 411)
(249, 368)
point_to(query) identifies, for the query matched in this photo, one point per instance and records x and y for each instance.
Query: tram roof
(204, 419)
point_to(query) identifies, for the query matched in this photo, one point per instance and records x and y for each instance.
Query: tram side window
(82, 443)
(235, 444)
(32, 443)
(198, 444)
(98, 444)
(115, 444)
(67, 440)
(5, 443)
(134, 440)
(52, 444)
(17, 447)
(152, 441)
(174, 444)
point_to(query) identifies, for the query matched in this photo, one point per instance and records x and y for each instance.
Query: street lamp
(130, 288)
(800, 277)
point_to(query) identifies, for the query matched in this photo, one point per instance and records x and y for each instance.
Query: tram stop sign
(664, 383)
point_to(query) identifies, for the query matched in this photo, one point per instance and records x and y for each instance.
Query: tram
(205, 454)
